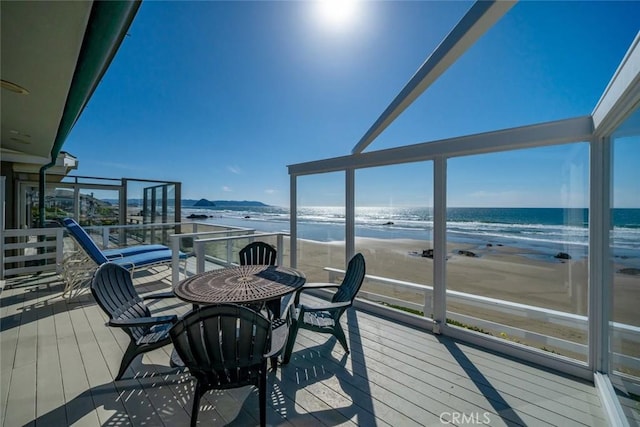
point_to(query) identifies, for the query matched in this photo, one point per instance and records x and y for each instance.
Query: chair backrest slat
(223, 343)
(258, 253)
(112, 287)
(352, 280)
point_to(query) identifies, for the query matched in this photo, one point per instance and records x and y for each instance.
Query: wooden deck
(58, 361)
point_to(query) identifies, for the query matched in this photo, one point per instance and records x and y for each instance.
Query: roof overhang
(53, 55)
(29, 171)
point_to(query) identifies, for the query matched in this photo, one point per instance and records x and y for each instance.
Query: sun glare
(337, 13)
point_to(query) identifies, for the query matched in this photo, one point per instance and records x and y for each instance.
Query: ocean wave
(530, 226)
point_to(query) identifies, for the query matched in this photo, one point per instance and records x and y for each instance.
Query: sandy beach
(508, 273)
(501, 272)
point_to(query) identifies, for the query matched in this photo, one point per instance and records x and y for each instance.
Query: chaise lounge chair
(131, 257)
(87, 243)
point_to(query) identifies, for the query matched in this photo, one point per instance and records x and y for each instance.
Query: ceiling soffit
(40, 45)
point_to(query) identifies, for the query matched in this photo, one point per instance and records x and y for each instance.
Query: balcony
(59, 361)
(427, 348)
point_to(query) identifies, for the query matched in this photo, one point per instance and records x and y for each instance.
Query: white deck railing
(620, 331)
(200, 241)
(36, 250)
(31, 251)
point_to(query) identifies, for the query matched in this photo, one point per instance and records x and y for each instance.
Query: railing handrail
(202, 233)
(243, 236)
(119, 226)
(41, 255)
(579, 322)
(485, 301)
(24, 232)
(576, 321)
(198, 247)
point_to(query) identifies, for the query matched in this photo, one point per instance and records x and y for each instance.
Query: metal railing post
(175, 260)
(229, 251)
(280, 246)
(199, 250)
(105, 237)
(59, 248)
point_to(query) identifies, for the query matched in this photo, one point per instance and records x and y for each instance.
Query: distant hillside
(220, 203)
(202, 203)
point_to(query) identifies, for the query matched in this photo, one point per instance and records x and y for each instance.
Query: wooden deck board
(486, 376)
(59, 360)
(21, 395)
(9, 322)
(364, 396)
(49, 391)
(80, 408)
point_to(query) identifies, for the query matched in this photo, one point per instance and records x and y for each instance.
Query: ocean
(541, 231)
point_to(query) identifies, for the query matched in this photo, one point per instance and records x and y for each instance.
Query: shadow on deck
(58, 361)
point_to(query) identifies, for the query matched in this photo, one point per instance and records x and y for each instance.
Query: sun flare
(337, 13)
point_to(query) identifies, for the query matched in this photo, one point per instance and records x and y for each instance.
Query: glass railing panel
(223, 250)
(98, 207)
(517, 240)
(394, 232)
(625, 250)
(321, 224)
(151, 202)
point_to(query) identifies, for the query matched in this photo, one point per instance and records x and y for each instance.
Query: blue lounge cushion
(132, 256)
(132, 250)
(146, 258)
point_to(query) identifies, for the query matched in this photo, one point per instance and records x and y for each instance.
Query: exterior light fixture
(14, 87)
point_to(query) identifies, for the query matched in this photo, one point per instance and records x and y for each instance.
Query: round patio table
(243, 284)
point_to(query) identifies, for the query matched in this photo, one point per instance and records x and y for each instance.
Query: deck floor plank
(363, 398)
(131, 393)
(50, 391)
(80, 408)
(59, 360)
(388, 373)
(12, 300)
(513, 377)
(21, 395)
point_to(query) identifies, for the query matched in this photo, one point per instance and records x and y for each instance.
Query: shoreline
(539, 248)
(500, 272)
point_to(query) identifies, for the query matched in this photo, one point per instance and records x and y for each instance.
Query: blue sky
(221, 96)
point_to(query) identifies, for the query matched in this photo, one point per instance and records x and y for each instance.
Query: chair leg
(273, 309)
(262, 395)
(291, 340)
(129, 355)
(339, 333)
(195, 409)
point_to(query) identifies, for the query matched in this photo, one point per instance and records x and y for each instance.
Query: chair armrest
(143, 321)
(319, 285)
(311, 286)
(325, 307)
(160, 295)
(279, 335)
(128, 263)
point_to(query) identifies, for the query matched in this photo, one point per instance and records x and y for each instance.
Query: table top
(239, 285)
